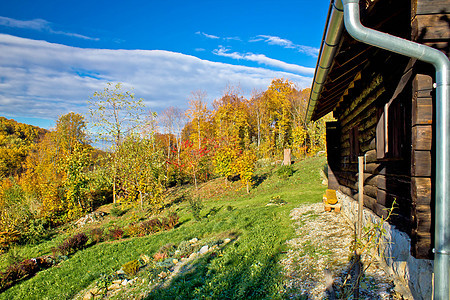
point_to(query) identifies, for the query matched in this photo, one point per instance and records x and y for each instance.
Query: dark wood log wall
(430, 25)
(407, 179)
(384, 180)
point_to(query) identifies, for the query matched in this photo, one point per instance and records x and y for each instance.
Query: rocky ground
(319, 264)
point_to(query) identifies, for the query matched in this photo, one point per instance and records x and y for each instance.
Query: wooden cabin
(383, 106)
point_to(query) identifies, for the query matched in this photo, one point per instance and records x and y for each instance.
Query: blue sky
(55, 54)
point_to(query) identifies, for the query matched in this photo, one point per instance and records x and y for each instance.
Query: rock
(114, 286)
(175, 261)
(95, 291)
(124, 282)
(88, 296)
(162, 275)
(194, 240)
(177, 252)
(119, 281)
(120, 272)
(204, 249)
(193, 255)
(226, 241)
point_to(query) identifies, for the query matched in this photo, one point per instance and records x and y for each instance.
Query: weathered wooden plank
(422, 137)
(421, 245)
(371, 156)
(430, 27)
(424, 222)
(387, 198)
(370, 191)
(394, 184)
(425, 7)
(422, 86)
(421, 163)
(347, 191)
(353, 112)
(421, 190)
(422, 111)
(422, 209)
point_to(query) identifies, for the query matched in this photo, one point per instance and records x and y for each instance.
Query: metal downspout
(442, 189)
(330, 42)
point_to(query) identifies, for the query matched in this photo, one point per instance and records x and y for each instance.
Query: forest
(51, 177)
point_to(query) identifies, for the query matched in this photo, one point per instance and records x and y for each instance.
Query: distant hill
(15, 141)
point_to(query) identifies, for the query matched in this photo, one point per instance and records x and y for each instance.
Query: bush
(195, 206)
(150, 226)
(117, 212)
(116, 233)
(73, 244)
(285, 171)
(96, 235)
(131, 267)
(170, 222)
(18, 271)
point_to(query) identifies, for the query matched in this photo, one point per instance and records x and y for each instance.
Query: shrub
(116, 233)
(96, 234)
(117, 212)
(133, 230)
(170, 222)
(150, 226)
(73, 244)
(195, 206)
(18, 271)
(131, 267)
(36, 231)
(285, 171)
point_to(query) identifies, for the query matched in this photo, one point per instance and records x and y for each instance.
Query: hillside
(15, 141)
(246, 232)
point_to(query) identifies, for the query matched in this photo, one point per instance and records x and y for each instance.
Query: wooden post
(360, 194)
(358, 265)
(287, 157)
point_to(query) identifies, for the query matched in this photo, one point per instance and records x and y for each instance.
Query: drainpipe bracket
(445, 252)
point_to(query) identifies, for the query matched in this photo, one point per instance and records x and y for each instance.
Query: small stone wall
(416, 274)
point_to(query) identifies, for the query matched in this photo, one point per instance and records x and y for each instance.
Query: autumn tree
(140, 170)
(115, 113)
(199, 115)
(231, 117)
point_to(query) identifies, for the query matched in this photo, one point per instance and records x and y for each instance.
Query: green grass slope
(246, 268)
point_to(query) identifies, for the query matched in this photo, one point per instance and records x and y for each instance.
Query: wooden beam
(433, 27)
(421, 163)
(422, 137)
(421, 190)
(426, 7)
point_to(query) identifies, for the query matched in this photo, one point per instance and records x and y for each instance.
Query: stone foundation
(416, 274)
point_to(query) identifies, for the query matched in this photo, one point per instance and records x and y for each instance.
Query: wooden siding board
(426, 7)
(421, 191)
(421, 163)
(433, 27)
(422, 137)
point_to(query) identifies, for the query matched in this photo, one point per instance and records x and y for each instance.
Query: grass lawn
(246, 268)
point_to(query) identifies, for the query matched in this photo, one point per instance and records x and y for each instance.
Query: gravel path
(320, 256)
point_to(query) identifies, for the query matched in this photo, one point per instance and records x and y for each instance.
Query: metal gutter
(442, 185)
(330, 42)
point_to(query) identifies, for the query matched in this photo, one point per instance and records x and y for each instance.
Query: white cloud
(209, 36)
(215, 37)
(36, 24)
(39, 25)
(262, 59)
(275, 40)
(44, 80)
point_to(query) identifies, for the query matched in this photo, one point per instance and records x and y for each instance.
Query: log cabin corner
(384, 104)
